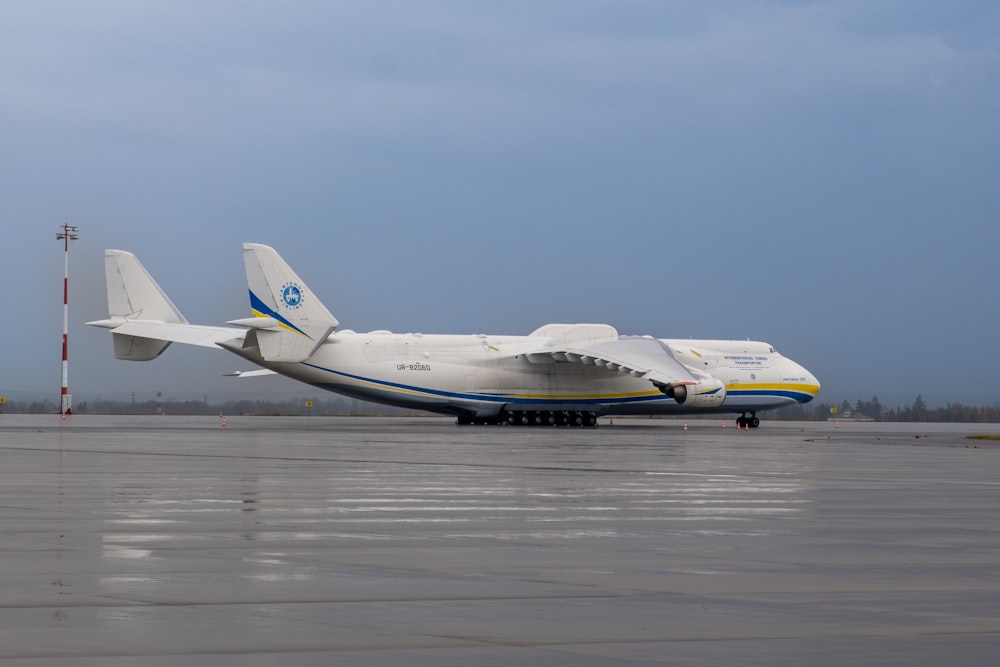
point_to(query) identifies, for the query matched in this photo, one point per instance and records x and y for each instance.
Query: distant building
(850, 416)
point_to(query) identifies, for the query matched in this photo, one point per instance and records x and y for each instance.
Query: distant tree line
(918, 411)
(295, 407)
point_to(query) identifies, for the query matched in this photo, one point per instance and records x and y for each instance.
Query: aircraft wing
(637, 356)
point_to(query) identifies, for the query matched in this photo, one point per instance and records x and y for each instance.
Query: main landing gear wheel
(744, 421)
(566, 418)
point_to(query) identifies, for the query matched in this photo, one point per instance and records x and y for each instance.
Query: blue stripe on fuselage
(798, 397)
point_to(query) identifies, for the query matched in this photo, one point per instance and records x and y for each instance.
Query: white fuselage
(483, 375)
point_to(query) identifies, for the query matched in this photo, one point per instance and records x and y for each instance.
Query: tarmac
(175, 541)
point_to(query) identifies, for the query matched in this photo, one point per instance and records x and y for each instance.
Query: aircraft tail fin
(296, 321)
(134, 295)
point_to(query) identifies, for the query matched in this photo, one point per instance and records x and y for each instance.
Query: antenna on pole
(66, 404)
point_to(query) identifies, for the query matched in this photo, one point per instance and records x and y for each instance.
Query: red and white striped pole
(66, 404)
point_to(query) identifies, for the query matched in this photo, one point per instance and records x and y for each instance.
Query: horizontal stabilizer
(257, 323)
(250, 374)
(188, 334)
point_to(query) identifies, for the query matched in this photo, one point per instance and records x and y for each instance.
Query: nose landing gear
(745, 421)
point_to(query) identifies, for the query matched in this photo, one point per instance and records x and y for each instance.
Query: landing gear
(569, 418)
(744, 421)
(477, 421)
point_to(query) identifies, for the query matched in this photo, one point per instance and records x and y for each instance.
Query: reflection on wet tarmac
(396, 541)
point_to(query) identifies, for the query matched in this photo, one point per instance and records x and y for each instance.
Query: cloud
(658, 156)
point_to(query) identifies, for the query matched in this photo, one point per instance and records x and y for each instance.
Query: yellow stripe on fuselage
(801, 388)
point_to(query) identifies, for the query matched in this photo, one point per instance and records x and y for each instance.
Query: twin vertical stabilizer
(296, 322)
(134, 296)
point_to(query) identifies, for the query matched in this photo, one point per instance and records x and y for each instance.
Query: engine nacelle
(709, 393)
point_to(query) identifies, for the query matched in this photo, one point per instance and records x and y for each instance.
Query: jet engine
(708, 393)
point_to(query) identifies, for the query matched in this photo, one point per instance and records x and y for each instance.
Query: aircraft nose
(809, 384)
(812, 382)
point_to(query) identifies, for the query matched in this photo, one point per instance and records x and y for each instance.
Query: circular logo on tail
(291, 295)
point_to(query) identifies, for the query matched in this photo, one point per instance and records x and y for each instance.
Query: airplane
(560, 374)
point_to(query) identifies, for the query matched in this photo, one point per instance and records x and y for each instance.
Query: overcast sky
(824, 176)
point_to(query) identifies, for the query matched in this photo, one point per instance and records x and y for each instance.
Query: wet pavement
(352, 541)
